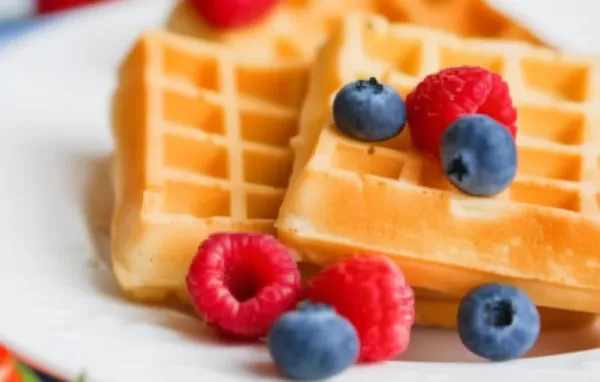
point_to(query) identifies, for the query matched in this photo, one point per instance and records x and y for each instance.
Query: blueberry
(479, 156)
(498, 322)
(313, 342)
(369, 111)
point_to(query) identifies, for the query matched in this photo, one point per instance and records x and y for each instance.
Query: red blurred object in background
(49, 6)
(233, 13)
(8, 369)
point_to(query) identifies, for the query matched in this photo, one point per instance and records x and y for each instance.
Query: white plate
(60, 306)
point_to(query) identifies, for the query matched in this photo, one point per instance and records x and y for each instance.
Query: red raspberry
(241, 283)
(49, 6)
(371, 292)
(452, 93)
(233, 13)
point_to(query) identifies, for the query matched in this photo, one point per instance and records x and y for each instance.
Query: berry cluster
(462, 117)
(248, 285)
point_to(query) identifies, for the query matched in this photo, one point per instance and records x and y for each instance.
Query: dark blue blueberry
(479, 156)
(369, 111)
(312, 343)
(498, 322)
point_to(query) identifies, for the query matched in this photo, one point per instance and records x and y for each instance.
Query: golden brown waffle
(540, 235)
(294, 30)
(201, 146)
(169, 116)
(292, 33)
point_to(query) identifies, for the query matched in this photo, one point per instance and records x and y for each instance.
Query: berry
(49, 6)
(452, 93)
(233, 13)
(498, 322)
(313, 343)
(369, 111)
(478, 155)
(8, 366)
(372, 293)
(241, 283)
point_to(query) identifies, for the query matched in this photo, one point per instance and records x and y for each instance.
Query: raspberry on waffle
(540, 235)
(201, 146)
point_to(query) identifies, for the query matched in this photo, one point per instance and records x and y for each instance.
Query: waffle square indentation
(263, 205)
(359, 160)
(552, 124)
(543, 163)
(453, 56)
(202, 156)
(544, 195)
(199, 200)
(274, 127)
(404, 54)
(282, 86)
(195, 68)
(267, 167)
(199, 111)
(559, 80)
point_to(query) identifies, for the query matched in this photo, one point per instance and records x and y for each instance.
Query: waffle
(275, 40)
(201, 146)
(540, 235)
(297, 27)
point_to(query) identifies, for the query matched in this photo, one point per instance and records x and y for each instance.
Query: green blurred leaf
(27, 374)
(81, 378)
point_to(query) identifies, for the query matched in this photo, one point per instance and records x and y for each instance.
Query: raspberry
(452, 93)
(233, 13)
(240, 283)
(371, 292)
(49, 6)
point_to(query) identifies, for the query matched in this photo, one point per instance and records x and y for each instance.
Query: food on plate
(313, 343)
(478, 155)
(372, 292)
(426, 178)
(201, 146)
(369, 111)
(241, 283)
(539, 234)
(498, 322)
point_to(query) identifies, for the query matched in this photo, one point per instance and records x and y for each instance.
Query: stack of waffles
(231, 131)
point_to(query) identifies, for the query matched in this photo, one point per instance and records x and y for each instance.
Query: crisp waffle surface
(201, 146)
(297, 27)
(541, 234)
